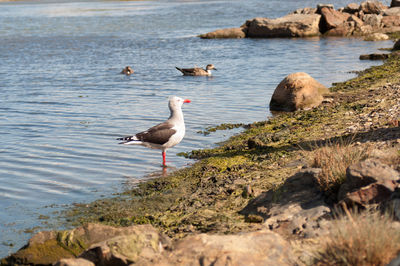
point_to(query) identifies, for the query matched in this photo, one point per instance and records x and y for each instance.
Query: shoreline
(217, 193)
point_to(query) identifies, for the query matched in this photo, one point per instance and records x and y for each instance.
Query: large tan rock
(372, 7)
(255, 248)
(391, 21)
(297, 91)
(330, 19)
(292, 25)
(231, 33)
(394, 11)
(48, 247)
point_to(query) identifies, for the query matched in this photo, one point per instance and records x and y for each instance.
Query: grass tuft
(368, 238)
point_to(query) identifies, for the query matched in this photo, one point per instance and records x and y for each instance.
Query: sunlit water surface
(63, 101)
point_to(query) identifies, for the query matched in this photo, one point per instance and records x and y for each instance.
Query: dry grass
(369, 238)
(333, 159)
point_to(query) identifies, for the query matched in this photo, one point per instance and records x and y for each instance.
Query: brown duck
(127, 70)
(197, 71)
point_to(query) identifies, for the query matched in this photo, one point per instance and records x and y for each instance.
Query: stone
(74, 262)
(390, 21)
(351, 8)
(363, 174)
(396, 46)
(343, 30)
(231, 33)
(46, 248)
(372, 7)
(331, 19)
(306, 10)
(373, 20)
(371, 194)
(297, 91)
(320, 6)
(292, 25)
(255, 248)
(395, 3)
(374, 56)
(293, 209)
(394, 11)
(376, 37)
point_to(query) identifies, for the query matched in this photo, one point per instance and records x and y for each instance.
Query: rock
(394, 11)
(396, 46)
(373, 20)
(331, 19)
(232, 33)
(360, 177)
(46, 248)
(395, 3)
(74, 262)
(373, 193)
(127, 70)
(320, 6)
(306, 10)
(377, 37)
(125, 249)
(295, 208)
(297, 91)
(372, 7)
(254, 248)
(351, 8)
(390, 21)
(292, 25)
(374, 56)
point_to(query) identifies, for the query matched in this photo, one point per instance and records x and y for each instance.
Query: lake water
(63, 101)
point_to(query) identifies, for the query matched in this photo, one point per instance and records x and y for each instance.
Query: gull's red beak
(186, 101)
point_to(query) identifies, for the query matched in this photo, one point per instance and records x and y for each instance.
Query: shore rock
(292, 25)
(297, 91)
(390, 21)
(74, 262)
(376, 37)
(372, 7)
(396, 46)
(255, 248)
(48, 247)
(232, 33)
(394, 11)
(374, 56)
(306, 10)
(395, 3)
(351, 8)
(331, 19)
(369, 181)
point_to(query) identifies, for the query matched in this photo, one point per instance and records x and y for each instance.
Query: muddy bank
(266, 179)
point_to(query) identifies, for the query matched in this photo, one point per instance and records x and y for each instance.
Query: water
(63, 101)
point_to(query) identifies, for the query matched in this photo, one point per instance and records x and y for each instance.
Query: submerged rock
(297, 91)
(377, 37)
(374, 56)
(232, 33)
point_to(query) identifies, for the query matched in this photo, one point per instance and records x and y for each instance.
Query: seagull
(197, 71)
(127, 70)
(164, 135)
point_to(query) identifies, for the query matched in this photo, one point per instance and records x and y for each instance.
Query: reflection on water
(63, 101)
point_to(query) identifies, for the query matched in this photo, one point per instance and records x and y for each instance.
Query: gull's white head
(176, 102)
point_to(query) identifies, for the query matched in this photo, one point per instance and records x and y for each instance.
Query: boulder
(372, 7)
(231, 33)
(306, 10)
(368, 181)
(395, 3)
(394, 11)
(377, 37)
(293, 209)
(331, 19)
(351, 8)
(320, 6)
(254, 248)
(390, 21)
(374, 56)
(396, 46)
(48, 247)
(373, 20)
(297, 91)
(292, 25)
(74, 262)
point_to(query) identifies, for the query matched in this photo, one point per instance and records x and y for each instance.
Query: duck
(197, 71)
(164, 135)
(127, 70)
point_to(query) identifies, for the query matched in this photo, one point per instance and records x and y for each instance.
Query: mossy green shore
(208, 196)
